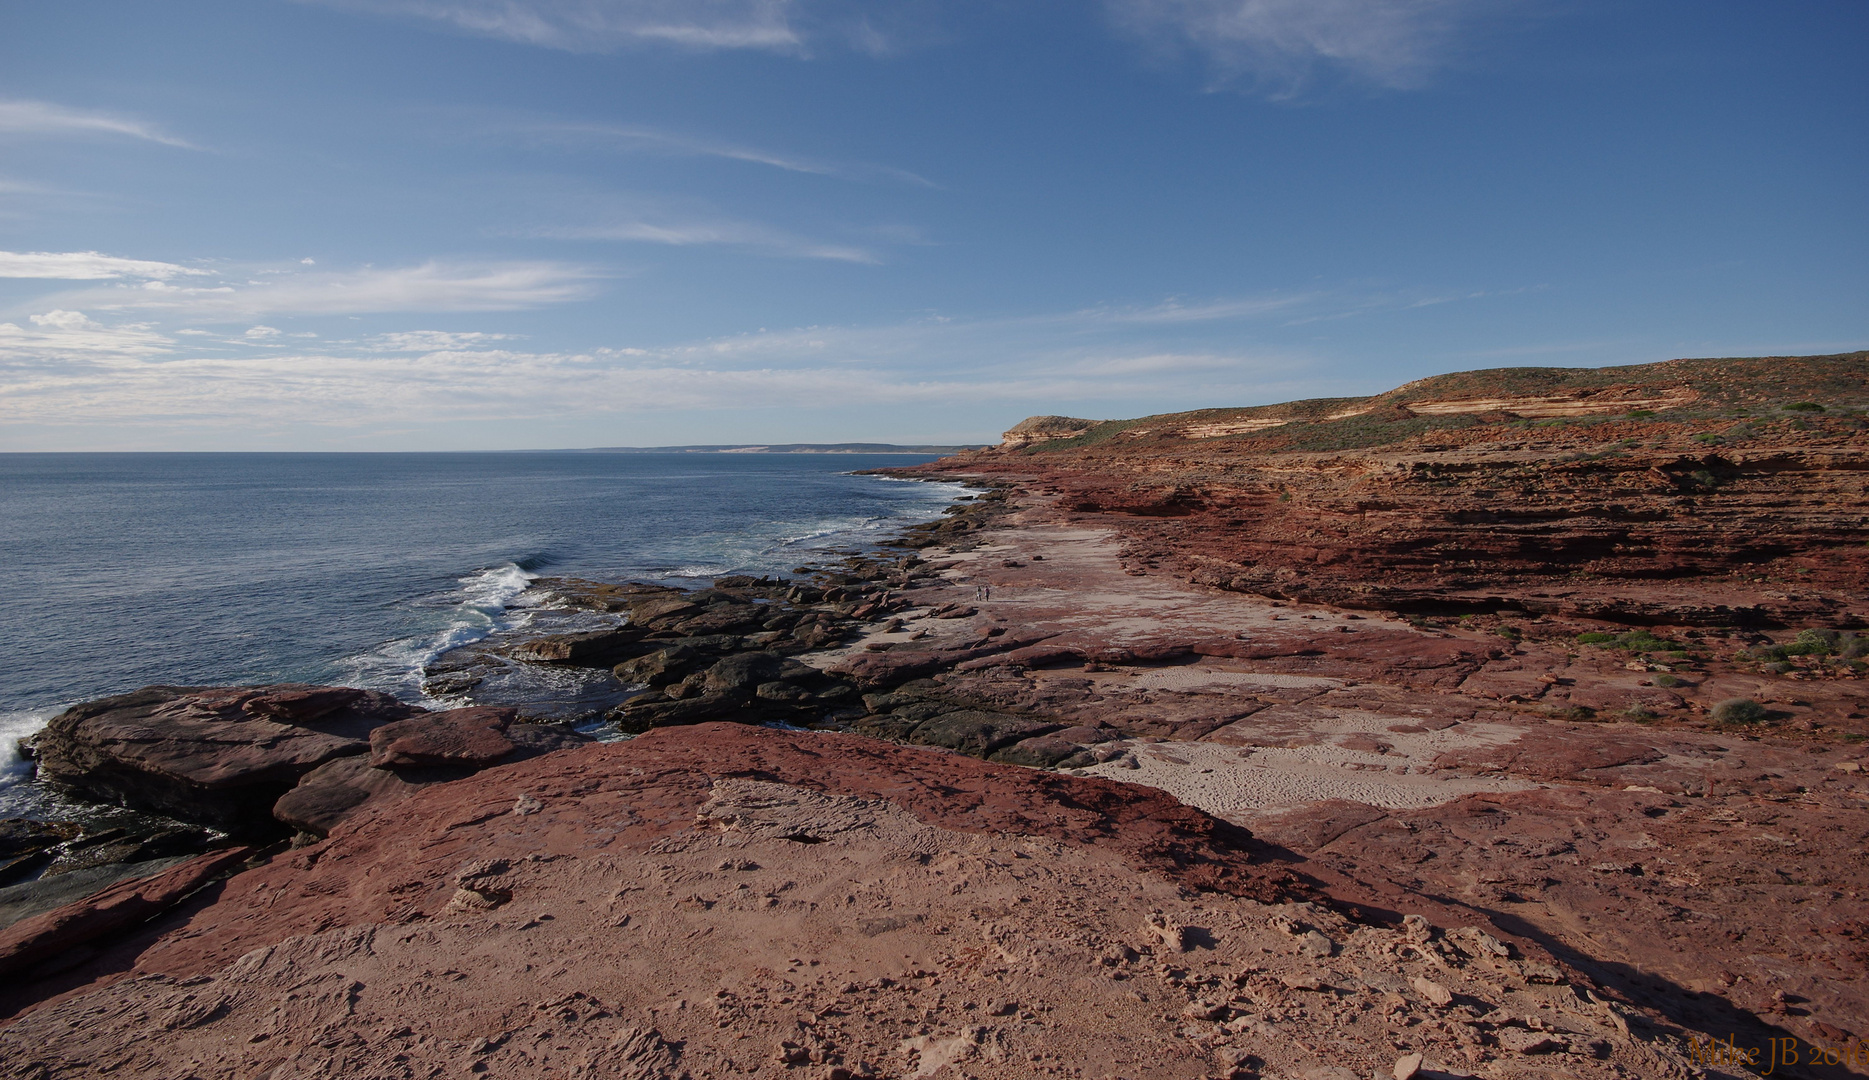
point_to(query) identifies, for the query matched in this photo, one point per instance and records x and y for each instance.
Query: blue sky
(487, 224)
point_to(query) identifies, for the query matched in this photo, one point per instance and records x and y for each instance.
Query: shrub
(1640, 414)
(1739, 710)
(1632, 641)
(1666, 680)
(1804, 406)
(1707, 437)
(1510, 632)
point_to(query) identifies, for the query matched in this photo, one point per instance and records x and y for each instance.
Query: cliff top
(1674, 390)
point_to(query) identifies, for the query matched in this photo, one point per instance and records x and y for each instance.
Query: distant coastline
(780, 448)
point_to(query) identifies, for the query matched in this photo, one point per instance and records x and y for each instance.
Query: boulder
(592, 648)
(744, 671)
(641, 714)
(337, 789)
(661, 611)
(659, 668)
(473, 737)
(780, 691)
(722, 618)
(219, 757)
(535, 740)
(1042, 752)
(972, 731)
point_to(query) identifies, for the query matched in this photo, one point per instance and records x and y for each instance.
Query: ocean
(125, 570)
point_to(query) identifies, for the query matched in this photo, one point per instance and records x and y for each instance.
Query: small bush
(1640, 414)
(1739, 710)
(1666, 680)
(1510, 632)
(1595, 637)
(1804, 406)
(1707, 437)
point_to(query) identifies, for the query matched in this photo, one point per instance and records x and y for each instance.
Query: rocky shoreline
(1277, 837)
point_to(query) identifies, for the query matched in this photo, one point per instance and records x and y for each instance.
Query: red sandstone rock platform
(721, 900)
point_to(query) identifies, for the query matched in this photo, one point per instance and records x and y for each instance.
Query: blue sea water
(123, 570)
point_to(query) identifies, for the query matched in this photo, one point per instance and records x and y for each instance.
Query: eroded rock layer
(722, 900)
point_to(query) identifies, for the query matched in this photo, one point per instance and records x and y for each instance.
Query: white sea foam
(15, 726)
(478, 608)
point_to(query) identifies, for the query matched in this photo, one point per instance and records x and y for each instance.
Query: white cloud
(85, 266)
(59, 336)
(1280, 45)
(433, 340)
(602, 25)
(45, 118)
(432, 286)
(65, 367)
(651, 140)
(678, 233)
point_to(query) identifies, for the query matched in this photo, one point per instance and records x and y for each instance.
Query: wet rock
(472, 737)
(42, 937)
(26, 845)
(533, 740)
(119, 845)
(593, 648)
(213, 756)
(29, 898)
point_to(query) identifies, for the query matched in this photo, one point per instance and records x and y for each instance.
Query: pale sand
(1238, 783)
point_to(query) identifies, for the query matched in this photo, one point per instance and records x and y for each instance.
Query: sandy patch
(1240, 782)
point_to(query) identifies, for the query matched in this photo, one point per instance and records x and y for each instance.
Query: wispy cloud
(602, 25)
(432, 286)
(1281, 46)
(643, 139)
(61, 367)
(59, 336)
(1179, 311)
(434, 340)
(86, 266)
(688, 233)
(45, 118)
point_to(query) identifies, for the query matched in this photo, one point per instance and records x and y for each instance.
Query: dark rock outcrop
(472, 737)
(218, 757)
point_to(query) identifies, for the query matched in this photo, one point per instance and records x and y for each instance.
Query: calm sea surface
(122, 570)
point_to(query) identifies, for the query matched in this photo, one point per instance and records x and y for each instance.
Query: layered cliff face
(1727, 492)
